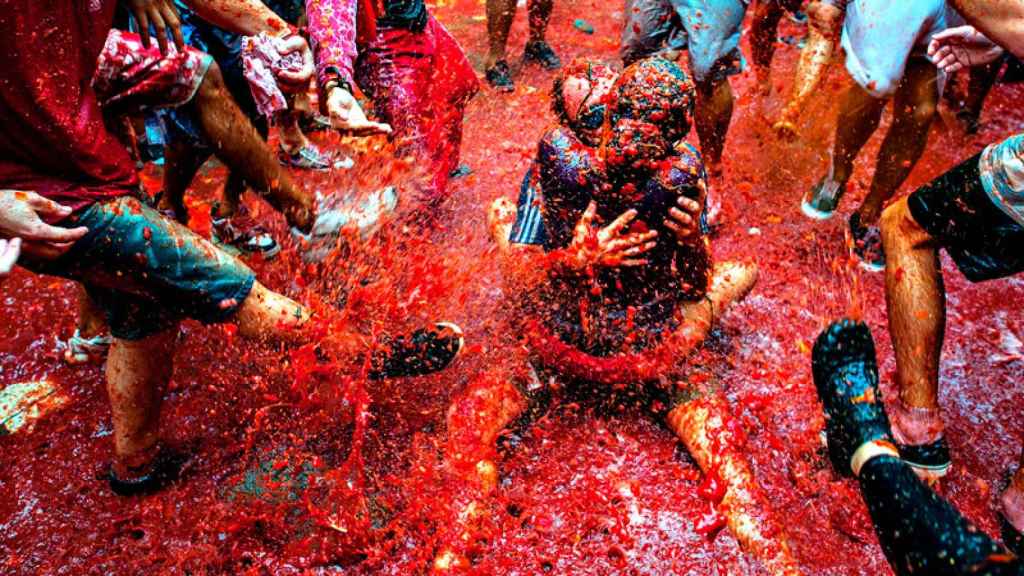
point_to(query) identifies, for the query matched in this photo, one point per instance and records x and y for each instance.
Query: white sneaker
(334, 215)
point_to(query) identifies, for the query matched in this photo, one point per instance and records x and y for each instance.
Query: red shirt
(52, 137)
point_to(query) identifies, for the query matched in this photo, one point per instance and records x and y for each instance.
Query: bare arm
(826, 22)
(1001, 20)
(248, 17)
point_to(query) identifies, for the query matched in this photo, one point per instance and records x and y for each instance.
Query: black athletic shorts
(954, 209)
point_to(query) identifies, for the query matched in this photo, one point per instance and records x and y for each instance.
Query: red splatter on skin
(233, 403)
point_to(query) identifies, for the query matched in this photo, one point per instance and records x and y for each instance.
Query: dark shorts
(147, 272)
(983, 240)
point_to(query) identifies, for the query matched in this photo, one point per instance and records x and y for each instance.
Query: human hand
(609, 247)
(20, 217)
(9, 251)
(684, 220)
(347, 116)
(163, 16)
(962, 47)
(296, 80)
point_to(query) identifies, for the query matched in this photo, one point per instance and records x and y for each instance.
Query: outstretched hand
(163, 16)
(21, 216)
(962, 47)
(348, 117)
(611, 246)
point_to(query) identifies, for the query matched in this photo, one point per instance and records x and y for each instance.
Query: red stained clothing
(420, 83)
(52, 137)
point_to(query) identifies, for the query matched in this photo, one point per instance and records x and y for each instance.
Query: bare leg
(763, 34)
(712, 117)
(292, 137)
(859, 114)
(181, 162)
(499, 22)
(475, 419)
(91, 321)
(980, 83)
(501, 215)
(240, 147)
(913, 111)
(137, 374)
(702, 425)
(917, 319)
(540, 14)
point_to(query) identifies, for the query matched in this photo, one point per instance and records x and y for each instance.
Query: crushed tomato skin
(558, 508)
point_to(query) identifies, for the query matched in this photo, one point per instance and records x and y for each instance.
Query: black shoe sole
(844, 368)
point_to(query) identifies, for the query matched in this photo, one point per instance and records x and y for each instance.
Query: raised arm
(248, 17)
(1001, 20)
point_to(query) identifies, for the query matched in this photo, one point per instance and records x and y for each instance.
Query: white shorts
(708, 29)
(879, 36)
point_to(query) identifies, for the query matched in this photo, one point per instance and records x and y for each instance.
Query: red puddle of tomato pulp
(349, 473)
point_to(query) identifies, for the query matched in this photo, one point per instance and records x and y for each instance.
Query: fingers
(588, 215)
(370, 129)
(42, 232)
(161, 30)
(46, 207)
(44, 250)
(293, 44)
(143, 21)
(638, 250)
(174, 24)
(690, 205)
(619, 223)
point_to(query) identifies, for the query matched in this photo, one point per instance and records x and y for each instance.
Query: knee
(923, 113)
(899, 228)
(213, 80)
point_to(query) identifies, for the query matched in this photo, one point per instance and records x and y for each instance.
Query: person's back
(52, 137)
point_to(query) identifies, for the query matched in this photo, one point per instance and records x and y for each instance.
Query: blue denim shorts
(147, 272)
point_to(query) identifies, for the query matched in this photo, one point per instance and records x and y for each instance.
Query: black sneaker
(425, 351)
(820, 202)
(931, 461)
(867, 244)
(846, 377)
(164, 470)
(500, 77)
(540, 52)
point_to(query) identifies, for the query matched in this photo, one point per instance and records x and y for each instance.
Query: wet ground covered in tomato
(580, 492)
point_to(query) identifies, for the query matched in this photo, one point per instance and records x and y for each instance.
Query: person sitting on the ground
(617, 308)
(885, 55)
(145, 271)
(920, 532)
(416, 73)
(500, 14)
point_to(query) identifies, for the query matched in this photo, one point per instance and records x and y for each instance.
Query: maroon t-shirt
(52, 137)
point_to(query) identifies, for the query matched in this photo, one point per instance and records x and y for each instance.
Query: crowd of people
(606, 251)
